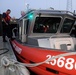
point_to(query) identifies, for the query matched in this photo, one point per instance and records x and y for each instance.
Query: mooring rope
(7, 61)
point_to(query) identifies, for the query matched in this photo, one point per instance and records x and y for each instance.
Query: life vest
(7, 18)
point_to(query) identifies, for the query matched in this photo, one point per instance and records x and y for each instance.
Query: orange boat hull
(60, 66)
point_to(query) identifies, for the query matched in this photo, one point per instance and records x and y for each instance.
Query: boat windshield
(46, 24)
(67, 25)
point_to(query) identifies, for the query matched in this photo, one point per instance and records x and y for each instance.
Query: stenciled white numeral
(60, 62)
(53, 62)
(69, 64)
(49, 57)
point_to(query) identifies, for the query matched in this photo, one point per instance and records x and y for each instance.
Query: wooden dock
(6, 50)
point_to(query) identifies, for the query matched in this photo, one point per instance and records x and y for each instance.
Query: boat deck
(6, 50)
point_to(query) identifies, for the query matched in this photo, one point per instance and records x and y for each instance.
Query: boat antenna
(69, 5)
(27, 6)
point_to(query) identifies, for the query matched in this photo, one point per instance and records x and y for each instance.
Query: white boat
(45, 34)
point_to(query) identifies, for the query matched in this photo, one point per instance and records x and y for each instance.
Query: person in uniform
(6, 25)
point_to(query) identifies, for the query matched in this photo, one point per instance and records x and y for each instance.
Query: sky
(17, 6)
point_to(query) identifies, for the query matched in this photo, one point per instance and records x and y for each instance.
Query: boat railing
(59, 11)
(54, 11)
(50, 11)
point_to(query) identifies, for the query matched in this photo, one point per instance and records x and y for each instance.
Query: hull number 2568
(68, 63)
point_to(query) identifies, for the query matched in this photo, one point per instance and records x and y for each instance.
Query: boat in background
(45, 34)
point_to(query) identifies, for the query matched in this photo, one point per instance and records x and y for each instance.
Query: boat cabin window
(46, 24)
(67, 25)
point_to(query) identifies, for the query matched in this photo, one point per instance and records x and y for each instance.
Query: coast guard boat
(46, 40)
